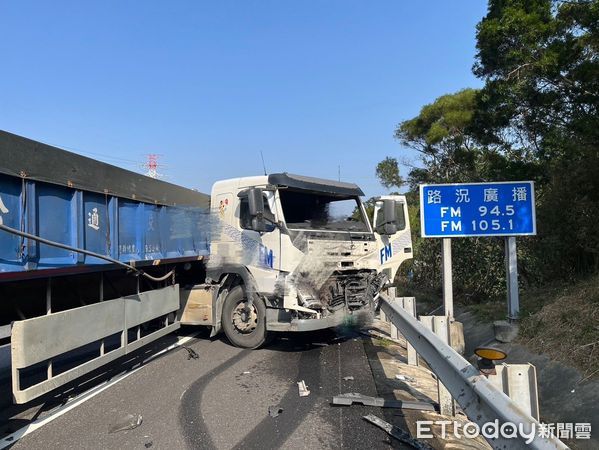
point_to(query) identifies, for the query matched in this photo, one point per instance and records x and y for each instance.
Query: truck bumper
(276, 320)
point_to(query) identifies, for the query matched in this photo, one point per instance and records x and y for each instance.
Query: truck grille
(354, 289)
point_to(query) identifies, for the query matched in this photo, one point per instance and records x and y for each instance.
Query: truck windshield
(308, 210)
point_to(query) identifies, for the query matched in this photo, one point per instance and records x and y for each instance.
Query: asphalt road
(221, 400)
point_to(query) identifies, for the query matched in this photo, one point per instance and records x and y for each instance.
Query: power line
(84, 153)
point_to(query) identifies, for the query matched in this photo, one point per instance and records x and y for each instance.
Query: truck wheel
(244, 327)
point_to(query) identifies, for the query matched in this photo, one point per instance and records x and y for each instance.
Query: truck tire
(246, 329)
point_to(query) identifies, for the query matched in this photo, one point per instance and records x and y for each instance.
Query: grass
(564, 324)
(377, 342)
(532, 300)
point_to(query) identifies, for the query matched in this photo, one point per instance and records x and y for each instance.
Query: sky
(317, 86)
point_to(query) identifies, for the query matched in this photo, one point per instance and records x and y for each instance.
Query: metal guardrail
(481, 401)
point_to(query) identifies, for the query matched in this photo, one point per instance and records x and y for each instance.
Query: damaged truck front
(294, 253)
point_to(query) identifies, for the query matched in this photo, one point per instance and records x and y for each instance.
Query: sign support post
(511, 270)
(447, 278)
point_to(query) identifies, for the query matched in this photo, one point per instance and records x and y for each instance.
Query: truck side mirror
(390, 229)
(389, 224)
(256, 209)
(255, 202)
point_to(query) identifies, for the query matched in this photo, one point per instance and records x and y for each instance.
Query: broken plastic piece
(352, 397)
(303, 389)
(397, 433)
(274, 411)
(128, 422)
(405, 378)
(191, 353)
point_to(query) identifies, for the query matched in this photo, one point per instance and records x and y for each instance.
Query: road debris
(405, 378)
(385, 337)
(349, 378)
(191, 353)
(148, 444)
(303, 389)
(397, 433)
(128, 422)
(247, 372)
(274, 411)
(353, 397)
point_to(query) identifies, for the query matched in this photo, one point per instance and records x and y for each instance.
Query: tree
(387, 171)
(539, 60)
(440, 133)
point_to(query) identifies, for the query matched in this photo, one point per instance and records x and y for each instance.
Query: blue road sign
(478, 209)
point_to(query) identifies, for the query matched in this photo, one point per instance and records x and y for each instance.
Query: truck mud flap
(37, 343)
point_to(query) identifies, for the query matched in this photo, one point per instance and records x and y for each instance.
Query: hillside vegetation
(566, 327)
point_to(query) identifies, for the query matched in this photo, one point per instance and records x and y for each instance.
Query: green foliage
(387, 171)
(536, 118)
(540, 63)
(442, 124)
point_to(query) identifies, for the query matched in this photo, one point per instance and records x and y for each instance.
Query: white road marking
(82, 398)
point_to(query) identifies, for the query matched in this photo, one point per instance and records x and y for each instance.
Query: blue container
(123, 229)
(124, 215)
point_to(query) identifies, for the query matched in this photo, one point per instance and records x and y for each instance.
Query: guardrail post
(440, 326)
(456, 336)
(391, 291)
(383, 316)
(409, 304)
(393, 332)
(518, 382)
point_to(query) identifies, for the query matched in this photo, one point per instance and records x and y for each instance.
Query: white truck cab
(295, 253)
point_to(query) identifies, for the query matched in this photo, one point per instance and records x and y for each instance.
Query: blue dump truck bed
(86, 204)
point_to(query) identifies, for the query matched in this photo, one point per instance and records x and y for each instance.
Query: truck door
(264, 256)
(393, 249)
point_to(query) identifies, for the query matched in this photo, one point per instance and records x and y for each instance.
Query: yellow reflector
(490, 353)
